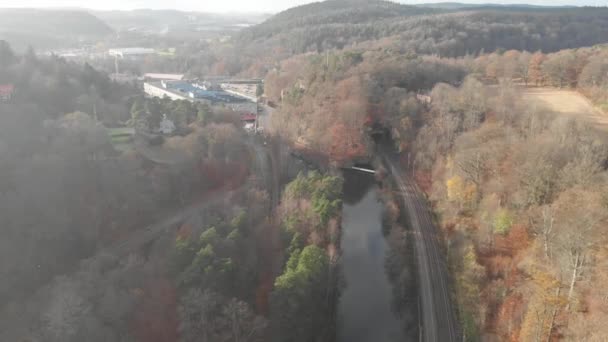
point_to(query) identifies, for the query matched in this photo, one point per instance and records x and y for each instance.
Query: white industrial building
(131, 53)
(171, 77)
(160, 91)
(247, 91)
(177, 90)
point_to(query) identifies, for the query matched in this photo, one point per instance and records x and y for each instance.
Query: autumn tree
(560, 69)
(461, 192)
(537, 180)
(523, 67)
(510, 63)
(470, 276)
(543, 305)
(535, 69)
(595, 72)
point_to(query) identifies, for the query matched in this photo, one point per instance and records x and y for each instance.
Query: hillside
(173, 20)
(460, 6)
(332, 13)
(340, 23)
(49, 28)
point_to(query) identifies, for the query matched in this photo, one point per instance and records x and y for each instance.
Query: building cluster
(245, 90)
(6, 92)
(210, 91)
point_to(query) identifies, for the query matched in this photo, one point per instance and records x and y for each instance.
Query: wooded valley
(215, 234)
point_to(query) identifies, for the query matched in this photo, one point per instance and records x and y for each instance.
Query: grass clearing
(568, 102)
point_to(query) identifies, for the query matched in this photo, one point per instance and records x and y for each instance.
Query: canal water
(366, 308)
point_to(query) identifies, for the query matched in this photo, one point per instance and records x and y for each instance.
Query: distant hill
(49, 28)
(157, 21)
(332, 13)
(460, 6)
(446, 31)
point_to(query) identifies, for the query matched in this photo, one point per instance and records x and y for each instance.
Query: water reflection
(365, 309)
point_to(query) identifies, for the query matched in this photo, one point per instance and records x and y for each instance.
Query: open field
(568, 102)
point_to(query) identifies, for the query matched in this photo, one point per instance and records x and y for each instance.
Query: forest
(101, 244)
(335, 25)
(369, 25)
(518, 190)
(70, 200)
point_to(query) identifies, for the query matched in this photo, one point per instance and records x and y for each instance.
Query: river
(366, 308)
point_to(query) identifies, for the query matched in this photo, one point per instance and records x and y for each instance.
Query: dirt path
(567, 102)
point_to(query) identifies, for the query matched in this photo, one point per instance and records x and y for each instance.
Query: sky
(242, 5)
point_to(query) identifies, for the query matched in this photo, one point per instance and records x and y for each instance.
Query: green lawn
(122, 138)
(121, 131)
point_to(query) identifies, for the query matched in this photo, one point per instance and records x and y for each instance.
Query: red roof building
(248, 117)
(6, 91)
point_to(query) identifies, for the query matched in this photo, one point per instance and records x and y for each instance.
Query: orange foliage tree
(156, 316)
(346, 143)
(535, 72)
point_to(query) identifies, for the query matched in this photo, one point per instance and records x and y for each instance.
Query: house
(426, 99)
(248, 117)
(249, 121)
(167, 126)
(6, 92)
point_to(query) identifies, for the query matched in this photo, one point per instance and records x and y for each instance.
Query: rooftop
(176, 77)
(131, 51)
(6, 88)
(184, 88)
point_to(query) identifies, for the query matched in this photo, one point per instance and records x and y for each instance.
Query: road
(264, 117)
(438, 319)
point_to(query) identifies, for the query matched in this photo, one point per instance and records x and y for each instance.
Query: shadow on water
(369, 310)
(356, 185)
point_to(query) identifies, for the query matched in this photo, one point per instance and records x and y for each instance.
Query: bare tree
(544, 228)
(65, 312)
(244, 325)
(577, 232)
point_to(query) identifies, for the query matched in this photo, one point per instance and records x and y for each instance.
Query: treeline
(333, 12)
(585, 69)
(445, 34)
(521, 197)
(474, 32)
(327, 103)
(147, 113)
(337, 25)
(56, 87)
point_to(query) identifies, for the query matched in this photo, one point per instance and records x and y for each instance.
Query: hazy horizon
(236, 6)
